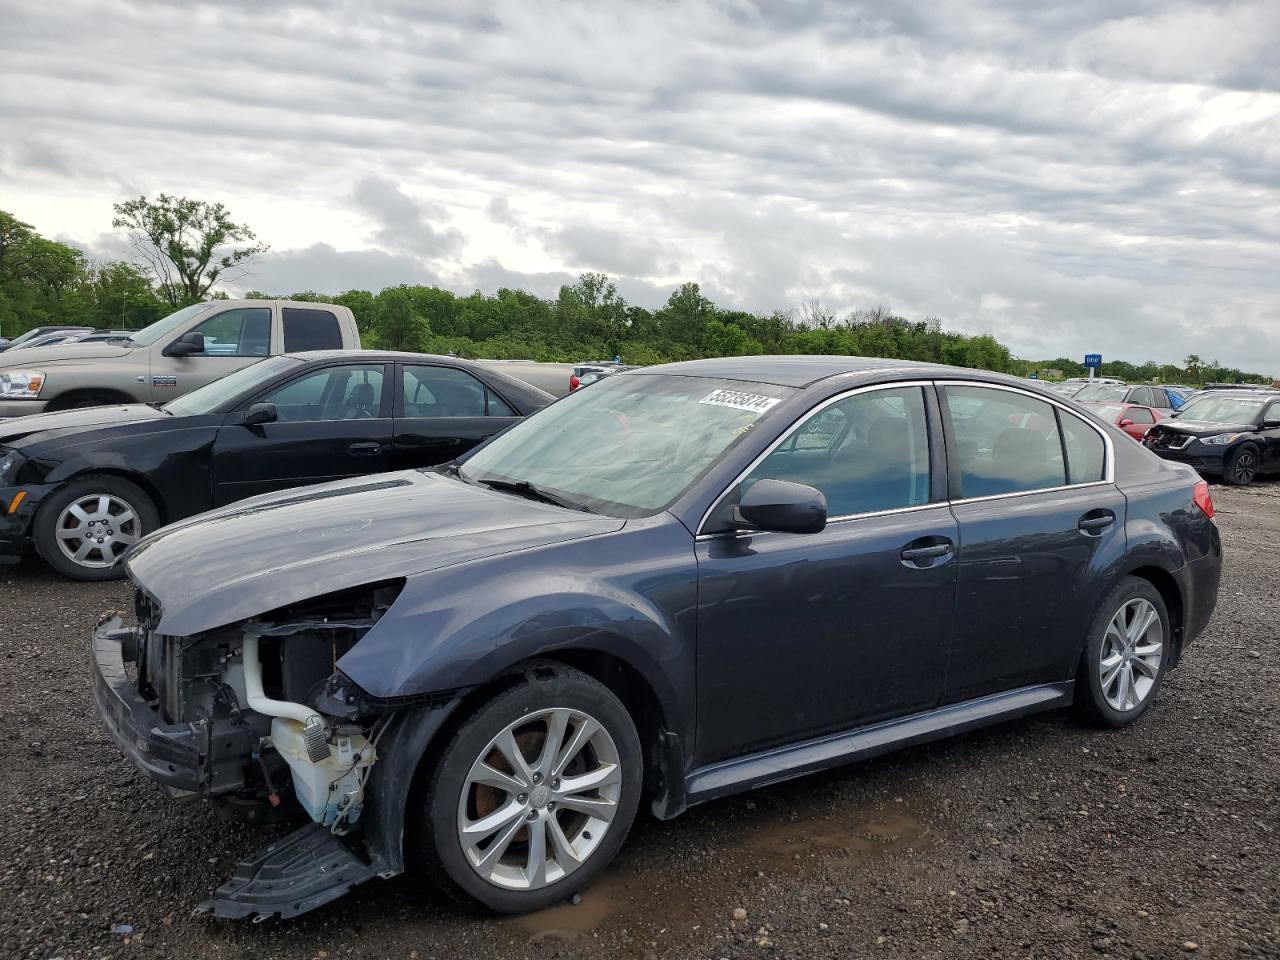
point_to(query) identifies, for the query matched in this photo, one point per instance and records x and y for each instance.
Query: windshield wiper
(527, 489)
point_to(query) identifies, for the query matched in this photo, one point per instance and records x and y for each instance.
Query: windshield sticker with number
(739, 400)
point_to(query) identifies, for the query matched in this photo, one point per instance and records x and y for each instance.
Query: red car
(1134, 419)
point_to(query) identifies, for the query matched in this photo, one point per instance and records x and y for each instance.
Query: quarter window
(446, 392)
(1086, 450)
(1005, 442)
(867, 452)
(243, 332)
(310, 330)
(1139, 415)
(334, 393)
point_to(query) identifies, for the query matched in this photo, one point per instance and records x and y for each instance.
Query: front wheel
(1127, 655)
(1241, 466)
(83, 529)
(535, 793)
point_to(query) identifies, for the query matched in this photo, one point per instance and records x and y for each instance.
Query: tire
(508, 881)
(1115, 644)
(1241, 466)
(58, 513)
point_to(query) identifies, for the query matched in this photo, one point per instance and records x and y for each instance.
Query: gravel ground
(1039, 838)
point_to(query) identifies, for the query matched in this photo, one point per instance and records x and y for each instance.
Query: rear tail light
(574, 382)
(1200, 497)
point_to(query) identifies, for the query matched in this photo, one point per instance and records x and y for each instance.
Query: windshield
(1108, 411)
(213, 395)
(1102, 391)
(630, 445)
(149, 335)
(1221, 409)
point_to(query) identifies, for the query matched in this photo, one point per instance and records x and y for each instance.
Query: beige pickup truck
(185, 350)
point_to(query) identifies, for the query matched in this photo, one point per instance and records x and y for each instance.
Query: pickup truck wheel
(80, 401)
(534, 794)
(84, 528)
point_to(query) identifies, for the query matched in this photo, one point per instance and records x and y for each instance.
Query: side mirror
(259, 413)
(1126, 422)
(1271, 424)
(186, 345)
(784, 507)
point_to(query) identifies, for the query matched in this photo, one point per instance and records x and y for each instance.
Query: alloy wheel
(1131, 651)
(539, 799)
(1244, 467)
(94, 530)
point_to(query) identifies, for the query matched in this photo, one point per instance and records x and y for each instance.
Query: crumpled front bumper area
(207, 758)
(203, 757)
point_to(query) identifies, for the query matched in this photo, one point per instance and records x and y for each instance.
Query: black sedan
(84, 485)
(686, 581)
(1233, 435)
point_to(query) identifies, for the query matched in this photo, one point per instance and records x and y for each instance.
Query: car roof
(312, 356)
(801, 371)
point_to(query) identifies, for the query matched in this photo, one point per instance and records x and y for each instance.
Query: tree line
(185, 247)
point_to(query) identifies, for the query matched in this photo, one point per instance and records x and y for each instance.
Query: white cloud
(1096, 175)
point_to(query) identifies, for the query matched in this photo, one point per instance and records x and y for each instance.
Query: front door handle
(364, 449)
(925, 552)
(1096, 521)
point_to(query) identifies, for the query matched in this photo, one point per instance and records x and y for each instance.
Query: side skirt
(795, 760)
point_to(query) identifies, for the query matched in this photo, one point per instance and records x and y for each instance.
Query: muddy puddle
(673, 878)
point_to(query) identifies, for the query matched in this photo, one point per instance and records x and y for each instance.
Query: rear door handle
(919, 554)
(1096, 521)
(364, 449)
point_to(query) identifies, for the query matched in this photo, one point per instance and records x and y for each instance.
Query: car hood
(1204, 427)
(68, 352)
(271, 551)
(66, 422)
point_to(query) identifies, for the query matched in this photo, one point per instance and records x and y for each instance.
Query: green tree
(398, 325)
(188, 245)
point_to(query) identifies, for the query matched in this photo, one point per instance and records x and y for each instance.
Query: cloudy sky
(1098, 175)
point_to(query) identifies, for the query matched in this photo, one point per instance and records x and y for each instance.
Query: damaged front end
(255, 716)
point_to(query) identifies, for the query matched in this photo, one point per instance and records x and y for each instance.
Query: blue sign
(1093, 360)
(1033, 375)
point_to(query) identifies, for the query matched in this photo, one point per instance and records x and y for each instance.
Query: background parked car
(1229, 434)
(168, 358)
(550, 377)
(1133, 419)
(585, 374)
(39, 333)
(1140, 394)
(84, 485)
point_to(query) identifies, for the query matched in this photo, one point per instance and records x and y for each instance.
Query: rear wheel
(535, 793)
(1242, 465)
(83, 529)
(1127, 655)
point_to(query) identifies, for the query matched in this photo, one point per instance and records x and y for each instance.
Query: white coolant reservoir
(331, 787)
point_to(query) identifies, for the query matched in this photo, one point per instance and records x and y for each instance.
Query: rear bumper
(1199, 581)
(180, 757)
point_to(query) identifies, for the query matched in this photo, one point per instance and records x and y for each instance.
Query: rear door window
(1006, 442)
(439, 392)
(306, 329)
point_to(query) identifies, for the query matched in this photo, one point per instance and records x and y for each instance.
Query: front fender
(631, 594)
